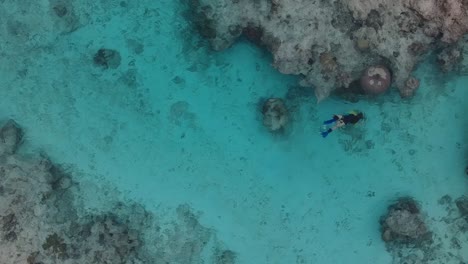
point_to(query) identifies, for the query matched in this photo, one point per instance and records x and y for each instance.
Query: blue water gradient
(178, 123)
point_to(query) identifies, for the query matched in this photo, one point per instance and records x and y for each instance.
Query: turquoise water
(178, 124)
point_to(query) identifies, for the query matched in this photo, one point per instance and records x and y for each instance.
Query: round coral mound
(404, 223)
(275, 114)
(376, 80)
(411, 85)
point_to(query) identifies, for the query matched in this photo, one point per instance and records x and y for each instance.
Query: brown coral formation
(330, 43)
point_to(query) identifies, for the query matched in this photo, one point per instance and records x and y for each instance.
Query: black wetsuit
(349, 119)
(346, 119)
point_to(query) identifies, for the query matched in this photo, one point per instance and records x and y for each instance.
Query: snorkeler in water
(341, 121)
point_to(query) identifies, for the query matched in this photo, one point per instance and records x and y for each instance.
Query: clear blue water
(178, 123)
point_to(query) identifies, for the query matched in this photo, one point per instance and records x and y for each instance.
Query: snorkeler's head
(360, 115)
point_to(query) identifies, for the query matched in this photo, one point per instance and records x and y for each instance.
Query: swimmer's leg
(331, 121)
(335, 118)
(325, 134)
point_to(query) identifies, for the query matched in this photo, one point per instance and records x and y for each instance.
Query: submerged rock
(450, 58)
(462, 205)
(226, 257)
(275, 114)
(10, 137)
(60, 10)
(9, 226)
(65, 18)
(55, 245)
(107, 58)
(404, 223)
(411, 85)
(376, 80)
(409, 239)
(330, 43)
(43, 219)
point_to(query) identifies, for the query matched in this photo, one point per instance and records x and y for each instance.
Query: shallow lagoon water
(177, 123)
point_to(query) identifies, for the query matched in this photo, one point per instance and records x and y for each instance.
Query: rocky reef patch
(413, 237)
(330, 44)
(43, 220)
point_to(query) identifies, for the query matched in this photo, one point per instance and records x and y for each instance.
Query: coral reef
(447, 19)
(10, 138)
(64, 15)
(330, 43)
(275, 114)
(403, 223)
(376, 80)
(406, 234)
(42, 220)
(462, 205)
(226, 257)
(411, 85)
(450, 57)
(107, 58)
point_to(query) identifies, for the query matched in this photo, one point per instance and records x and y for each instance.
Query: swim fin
(325, 134)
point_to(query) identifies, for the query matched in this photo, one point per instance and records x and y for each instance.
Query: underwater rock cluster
(43, 220)
(462, 205)
(407, 232)
(376, 80)
(404, 223)
(107, 58)
(330, 44)
(10, 136)
(275, 114)
(450, 58)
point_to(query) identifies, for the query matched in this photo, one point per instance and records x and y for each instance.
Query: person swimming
(341, 121)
